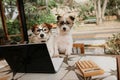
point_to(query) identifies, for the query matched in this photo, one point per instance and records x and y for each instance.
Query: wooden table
(68, 70)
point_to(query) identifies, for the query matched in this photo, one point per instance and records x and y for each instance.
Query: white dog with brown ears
(64, 41)
(42, 34)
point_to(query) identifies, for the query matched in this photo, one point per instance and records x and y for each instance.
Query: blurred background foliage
(13, 27)
(38, 11)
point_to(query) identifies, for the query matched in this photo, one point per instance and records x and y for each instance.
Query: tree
(100, 7)
(113, 8)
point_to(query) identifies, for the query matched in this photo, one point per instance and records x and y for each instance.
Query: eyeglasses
(44, 29)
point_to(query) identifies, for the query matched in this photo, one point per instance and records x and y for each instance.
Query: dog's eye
(67, 22)
(45, 29)
(62, 22)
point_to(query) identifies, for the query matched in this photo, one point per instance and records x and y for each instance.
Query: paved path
(96, 32)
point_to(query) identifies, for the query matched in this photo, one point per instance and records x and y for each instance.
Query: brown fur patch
(47, 25)
(34, 27)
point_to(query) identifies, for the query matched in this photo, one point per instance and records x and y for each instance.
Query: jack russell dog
(64, 41)
(42, 34)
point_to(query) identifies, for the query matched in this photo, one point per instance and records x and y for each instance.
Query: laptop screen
(28, 58)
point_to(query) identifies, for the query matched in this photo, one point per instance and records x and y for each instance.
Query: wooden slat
(80, 46)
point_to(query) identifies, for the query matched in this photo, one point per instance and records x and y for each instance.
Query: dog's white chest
(63, 42)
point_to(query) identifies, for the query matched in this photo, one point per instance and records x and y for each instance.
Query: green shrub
(35, 15)
(13, 27)
(42, 18)
(113, 44)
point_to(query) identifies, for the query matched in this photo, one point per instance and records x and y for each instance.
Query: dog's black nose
(64, 29)
(41, 35)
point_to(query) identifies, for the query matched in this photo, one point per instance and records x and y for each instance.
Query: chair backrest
(79, 47)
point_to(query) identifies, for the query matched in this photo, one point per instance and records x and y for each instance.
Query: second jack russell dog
(64, 41)
(42, 34)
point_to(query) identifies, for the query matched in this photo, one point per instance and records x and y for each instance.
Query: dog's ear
(58, 17)
(48, 25)
(72, 18)
(33, 27)
(53, 25)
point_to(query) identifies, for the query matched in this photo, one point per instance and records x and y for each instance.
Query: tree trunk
(46, 2)
(118, 14)
(99, 12)
(96, 11)
(103, 9)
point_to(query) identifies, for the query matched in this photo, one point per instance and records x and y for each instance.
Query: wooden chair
(79, 46)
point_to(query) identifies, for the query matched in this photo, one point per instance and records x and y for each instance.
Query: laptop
(30, 58)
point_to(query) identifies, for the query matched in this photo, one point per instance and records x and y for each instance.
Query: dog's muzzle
(64, 29)
(41, 35)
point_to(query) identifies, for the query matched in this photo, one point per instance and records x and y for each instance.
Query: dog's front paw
(56, 53)
(68, 53)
